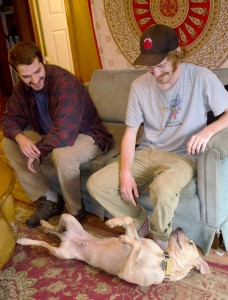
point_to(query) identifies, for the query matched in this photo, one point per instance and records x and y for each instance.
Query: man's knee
(159, 189)
(58, 155)
(105, 181)
(64, 161)
(165, 186)
(93, 183)
(165, 197)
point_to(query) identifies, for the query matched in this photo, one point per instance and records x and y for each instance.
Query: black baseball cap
(155, 43)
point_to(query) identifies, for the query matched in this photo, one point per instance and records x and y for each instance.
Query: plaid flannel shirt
(70, 107)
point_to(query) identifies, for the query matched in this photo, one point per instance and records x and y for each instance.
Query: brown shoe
(45, 210)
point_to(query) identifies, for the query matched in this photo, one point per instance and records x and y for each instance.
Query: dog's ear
(201, 265)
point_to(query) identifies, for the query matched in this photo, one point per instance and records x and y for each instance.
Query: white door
(54, 31)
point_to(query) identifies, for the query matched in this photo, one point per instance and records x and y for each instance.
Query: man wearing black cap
(172, 101)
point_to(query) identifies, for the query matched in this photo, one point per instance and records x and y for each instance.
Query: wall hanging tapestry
(201, 26)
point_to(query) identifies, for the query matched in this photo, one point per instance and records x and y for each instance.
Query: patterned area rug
(32, 273)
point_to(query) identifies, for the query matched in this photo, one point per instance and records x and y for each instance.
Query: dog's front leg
(125, 222)
(128, 271)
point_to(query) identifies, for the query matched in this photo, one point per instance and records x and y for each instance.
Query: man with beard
(50, 117)
(172, 101)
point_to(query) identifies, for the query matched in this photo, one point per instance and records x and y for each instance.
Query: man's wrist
(18, 137)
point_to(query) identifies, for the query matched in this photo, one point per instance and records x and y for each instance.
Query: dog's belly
(106, 254)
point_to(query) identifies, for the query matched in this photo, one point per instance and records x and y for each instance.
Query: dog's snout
(179, 229)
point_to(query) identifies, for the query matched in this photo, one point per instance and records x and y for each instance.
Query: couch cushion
(109, 91)
(222, 74)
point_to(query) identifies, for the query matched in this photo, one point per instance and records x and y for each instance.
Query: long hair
(177, 55)
(24, 53)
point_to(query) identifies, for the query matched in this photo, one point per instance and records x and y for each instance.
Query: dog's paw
(23, 241)
(110, 223)
(123, 239)
(120, 221)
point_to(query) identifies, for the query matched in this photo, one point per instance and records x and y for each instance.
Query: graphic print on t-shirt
(174, 108)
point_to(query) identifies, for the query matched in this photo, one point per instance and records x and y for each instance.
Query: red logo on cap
(147, 43)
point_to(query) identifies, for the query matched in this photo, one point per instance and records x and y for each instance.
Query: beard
(166, 76)
(39, 86)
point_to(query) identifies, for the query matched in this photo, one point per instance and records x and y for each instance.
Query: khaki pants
(165, 173)
(61, 166)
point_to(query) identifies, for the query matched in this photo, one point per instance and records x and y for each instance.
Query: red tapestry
(201, 26)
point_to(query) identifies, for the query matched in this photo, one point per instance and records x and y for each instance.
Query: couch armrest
(219, 142)
(212, 169)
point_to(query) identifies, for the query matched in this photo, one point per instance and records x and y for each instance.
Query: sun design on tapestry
(200, 24)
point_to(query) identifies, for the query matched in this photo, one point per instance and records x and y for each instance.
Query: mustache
(163, 75)
(167, 73)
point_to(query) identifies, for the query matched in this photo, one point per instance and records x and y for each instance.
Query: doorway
(15, 25)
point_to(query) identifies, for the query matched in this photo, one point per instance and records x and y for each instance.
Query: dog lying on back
(137, 260)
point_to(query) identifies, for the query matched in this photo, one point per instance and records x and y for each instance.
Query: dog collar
(166, 266)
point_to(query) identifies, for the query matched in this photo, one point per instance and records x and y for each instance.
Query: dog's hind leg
(67, 223)
(61, 226)
(59, 252)
(127, 223)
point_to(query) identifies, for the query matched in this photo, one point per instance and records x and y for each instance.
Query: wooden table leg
(8, 212)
